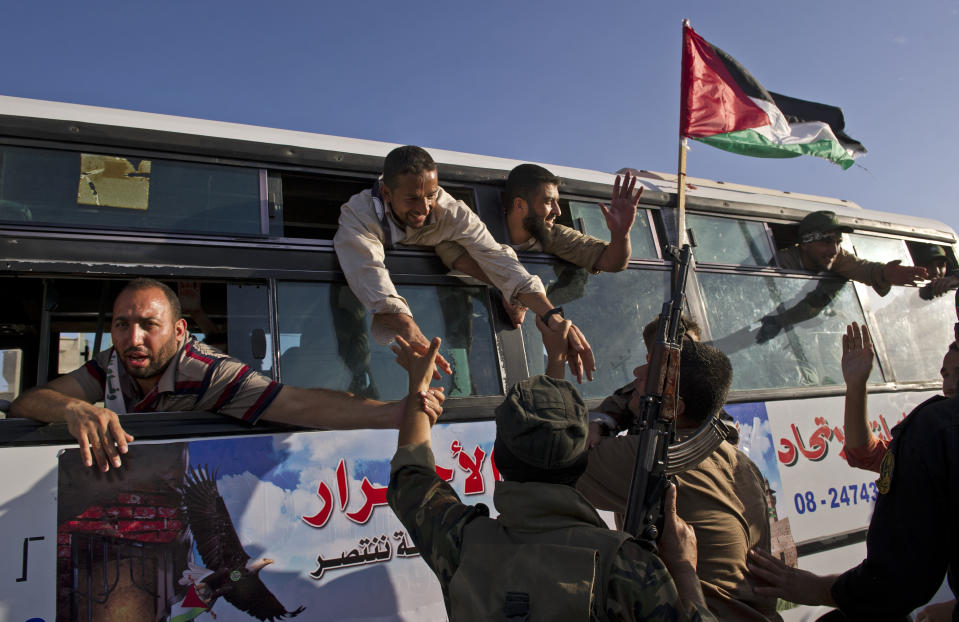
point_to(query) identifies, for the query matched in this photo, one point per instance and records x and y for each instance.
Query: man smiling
(820, 234)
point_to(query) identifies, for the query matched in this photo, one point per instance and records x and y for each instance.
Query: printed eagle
(233, 575)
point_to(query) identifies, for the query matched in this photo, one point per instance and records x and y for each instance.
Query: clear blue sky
(586, 84)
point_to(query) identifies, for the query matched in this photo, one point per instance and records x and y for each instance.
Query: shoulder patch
(885, 472)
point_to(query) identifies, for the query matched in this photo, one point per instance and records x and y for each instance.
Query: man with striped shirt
(155, 366)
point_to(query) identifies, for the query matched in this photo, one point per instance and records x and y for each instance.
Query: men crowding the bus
(407, 205)
(722, 498)
(549, 554)
(155, 365)
(911, 541)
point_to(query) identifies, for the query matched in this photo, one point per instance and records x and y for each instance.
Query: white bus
(244, 217)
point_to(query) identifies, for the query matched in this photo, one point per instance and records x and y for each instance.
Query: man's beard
(536, 227)
(158, 363)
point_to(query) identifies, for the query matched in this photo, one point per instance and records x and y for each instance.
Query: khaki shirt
(360, 239)
(845, 265)
(198, 378)
(569, 244)
(723, 500)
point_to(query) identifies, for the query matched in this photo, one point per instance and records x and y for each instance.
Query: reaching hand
(579, 353)
(857, 355)
(622, 207)
(420, 366)
(940, 612)
(99, 433)
(777, 579)
(903, 275)
(516, 313)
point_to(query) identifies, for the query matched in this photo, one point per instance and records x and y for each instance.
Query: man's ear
(386, 193)
(179, 329)
(519, 203)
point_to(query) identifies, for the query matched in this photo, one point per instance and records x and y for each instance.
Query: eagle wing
(212, 527)
(252, 596)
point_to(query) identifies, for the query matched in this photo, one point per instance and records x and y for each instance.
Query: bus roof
(703, 193)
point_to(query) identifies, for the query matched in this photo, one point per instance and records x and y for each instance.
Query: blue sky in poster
(592, 85)
(756, 439)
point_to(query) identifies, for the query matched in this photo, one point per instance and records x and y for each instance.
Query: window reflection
(915, 346)
(325, 340)
(590, 220)
(611, 310)
(781, 332)
(729, 241)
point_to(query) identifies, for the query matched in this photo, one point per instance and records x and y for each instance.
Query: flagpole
(681, 175)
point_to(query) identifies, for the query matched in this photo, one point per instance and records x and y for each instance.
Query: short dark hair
(524, 181)
(405, 160)
(649, 331)
(142, 283)
(705, 375)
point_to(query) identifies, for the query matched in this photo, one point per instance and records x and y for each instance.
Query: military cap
(928, 253)
(818, 225)
(543, 423)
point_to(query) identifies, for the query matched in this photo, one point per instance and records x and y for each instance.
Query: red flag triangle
(193, 599)
(712, 101)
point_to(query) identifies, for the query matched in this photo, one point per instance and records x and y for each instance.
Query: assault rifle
(657, 411)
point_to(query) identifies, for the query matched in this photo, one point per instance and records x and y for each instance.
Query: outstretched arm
(336, 410)
(417, 421)
(96, 429)
(556, 344)
(897, 274)
(620, 215)
(857, 357)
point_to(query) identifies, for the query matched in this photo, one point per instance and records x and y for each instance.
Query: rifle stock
(656, 421)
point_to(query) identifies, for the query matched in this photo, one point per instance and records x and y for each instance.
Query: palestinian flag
(190, 608)
(724, 106)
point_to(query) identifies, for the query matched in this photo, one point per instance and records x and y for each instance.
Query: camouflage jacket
(638, 586)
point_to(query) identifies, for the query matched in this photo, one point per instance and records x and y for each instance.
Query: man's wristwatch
(554, 311)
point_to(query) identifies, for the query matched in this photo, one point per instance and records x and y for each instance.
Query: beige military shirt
(451, 229)
(569, 244)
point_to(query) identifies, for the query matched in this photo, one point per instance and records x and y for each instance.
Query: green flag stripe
(752, 143)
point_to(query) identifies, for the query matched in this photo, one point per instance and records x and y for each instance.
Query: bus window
(876, 248)
(729, 241)
(325, 339)
(611, 309)
(780, 332)
(71, 188)
(311, 203)
(588, 218)
(913, 331)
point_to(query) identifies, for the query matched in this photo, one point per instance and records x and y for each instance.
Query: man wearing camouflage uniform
(548, 556)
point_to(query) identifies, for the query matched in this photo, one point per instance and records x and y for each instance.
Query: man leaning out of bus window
(722, 498)
(548, 555)
(531, 201)
(911, 543)
(820, 236)
(156, 366)
(407, 206)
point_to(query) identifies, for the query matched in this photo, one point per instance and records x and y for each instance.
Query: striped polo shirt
(198, 378)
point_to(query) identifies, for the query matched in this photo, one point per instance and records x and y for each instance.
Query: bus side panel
(28, 522)
(313, 502)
